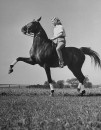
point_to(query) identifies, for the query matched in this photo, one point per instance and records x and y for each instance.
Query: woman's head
(56, 21)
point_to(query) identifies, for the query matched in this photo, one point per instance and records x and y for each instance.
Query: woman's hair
(57, 20)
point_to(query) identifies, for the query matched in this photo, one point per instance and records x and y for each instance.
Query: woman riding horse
(59, 36)
(43, 52)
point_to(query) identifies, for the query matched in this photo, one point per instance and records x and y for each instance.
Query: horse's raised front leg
(24, 59)
(48, 73)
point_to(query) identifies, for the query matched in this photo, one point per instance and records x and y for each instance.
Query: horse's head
(32, 27)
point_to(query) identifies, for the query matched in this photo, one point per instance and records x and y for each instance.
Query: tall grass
(42, 112)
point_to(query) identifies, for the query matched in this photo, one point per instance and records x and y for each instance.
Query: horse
(43, 53)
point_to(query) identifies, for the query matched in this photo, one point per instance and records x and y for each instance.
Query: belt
(61, 37)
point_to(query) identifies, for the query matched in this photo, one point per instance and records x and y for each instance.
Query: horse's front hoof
(78, 89)
(52, 93)
(10, 71)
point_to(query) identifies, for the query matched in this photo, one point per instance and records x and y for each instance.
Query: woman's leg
(58, 49)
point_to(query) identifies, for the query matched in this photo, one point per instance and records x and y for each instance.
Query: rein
(31, 35)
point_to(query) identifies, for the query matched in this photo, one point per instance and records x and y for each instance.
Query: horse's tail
(93, 54)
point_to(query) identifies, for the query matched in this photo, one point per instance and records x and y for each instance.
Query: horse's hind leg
(81, 88)
(24, 59)
(79, 75)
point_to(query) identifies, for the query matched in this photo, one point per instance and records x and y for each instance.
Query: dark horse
(43, 52)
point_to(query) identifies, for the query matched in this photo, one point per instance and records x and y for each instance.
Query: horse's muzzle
(24, 29)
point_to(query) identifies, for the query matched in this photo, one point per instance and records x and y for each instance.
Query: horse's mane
(42, 33)
(42, 46)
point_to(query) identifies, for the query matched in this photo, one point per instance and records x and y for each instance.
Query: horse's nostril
(24, 29)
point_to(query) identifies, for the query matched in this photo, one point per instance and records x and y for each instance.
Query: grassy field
(34, 109)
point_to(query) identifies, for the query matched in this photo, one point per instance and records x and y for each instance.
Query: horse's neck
(40, 36)
(43, 33)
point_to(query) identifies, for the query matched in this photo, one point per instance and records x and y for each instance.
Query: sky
(81, 20)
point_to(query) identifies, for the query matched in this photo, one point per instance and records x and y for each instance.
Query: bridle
(26, 31)
(31, 34)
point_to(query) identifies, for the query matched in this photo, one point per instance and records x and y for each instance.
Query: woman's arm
(60, 34)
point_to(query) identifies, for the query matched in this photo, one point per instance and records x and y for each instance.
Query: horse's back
(67, 51)
(71, 50)
(72, 55)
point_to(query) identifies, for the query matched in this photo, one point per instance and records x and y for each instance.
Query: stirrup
(61, 64)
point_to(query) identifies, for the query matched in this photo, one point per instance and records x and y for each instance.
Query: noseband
(31, 35)
(25, 31)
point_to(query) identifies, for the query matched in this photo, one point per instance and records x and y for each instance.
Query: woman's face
(54, 22)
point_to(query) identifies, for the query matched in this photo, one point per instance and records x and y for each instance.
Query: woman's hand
(52, 39)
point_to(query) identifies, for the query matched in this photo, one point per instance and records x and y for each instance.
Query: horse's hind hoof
(10, 71)
(83, 93)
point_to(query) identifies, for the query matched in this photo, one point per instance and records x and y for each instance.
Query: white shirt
(59, 29)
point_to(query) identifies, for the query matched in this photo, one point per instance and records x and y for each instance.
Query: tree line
(69, 83)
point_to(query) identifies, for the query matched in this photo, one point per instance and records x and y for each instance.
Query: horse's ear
(33, 20)
(38, 19)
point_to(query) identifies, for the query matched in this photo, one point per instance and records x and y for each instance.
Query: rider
(59, 36)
